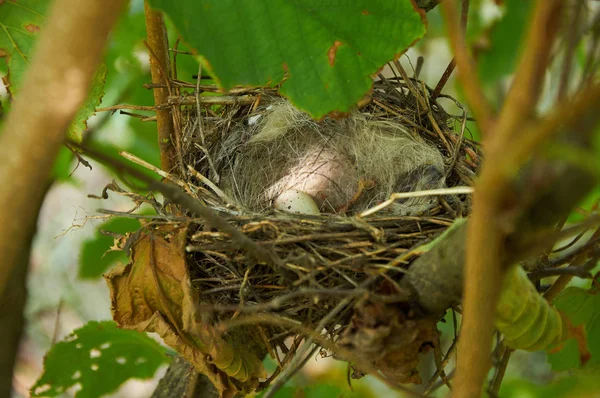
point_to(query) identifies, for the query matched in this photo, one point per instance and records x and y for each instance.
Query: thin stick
(423, 102)
(216, 100)
(187, 100)
(500, 371)
(571, 44)
(293, 367)
(320, 340)
(125, 106)
(134, 159)
(464, 16)
(416, 194)
(210, 184)
(444, 79)
(441, 367)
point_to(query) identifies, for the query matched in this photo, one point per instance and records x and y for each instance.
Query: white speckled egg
(297, 202)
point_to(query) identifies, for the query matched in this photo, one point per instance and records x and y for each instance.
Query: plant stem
(158, 46)
(490, 223)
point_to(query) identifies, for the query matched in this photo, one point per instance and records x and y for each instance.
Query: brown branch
(487, 231)
(160, 70)
(55, 86)
(467, 73)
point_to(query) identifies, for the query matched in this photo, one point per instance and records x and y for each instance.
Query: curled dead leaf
(153, 294)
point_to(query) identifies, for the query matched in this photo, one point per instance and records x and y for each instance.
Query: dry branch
(466, 69)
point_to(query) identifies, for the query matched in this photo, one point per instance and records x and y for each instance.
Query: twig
(213, 100)
(57, 80)
(143, 163)
(293, 367)
(126, 106)
(319, 339)
(210, 184)
(444, 79)
(200, 124)
(424, 102)
(467, 72)
(500, 371)
(532, 135)
(441, 367)
(403, 195)
(571, 44)
(464, 16)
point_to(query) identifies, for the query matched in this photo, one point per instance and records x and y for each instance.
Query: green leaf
(505, 42)
(327, 51)
(99, 357)
(582, 307)
(20, 25)
(79, 123)
(95, 258)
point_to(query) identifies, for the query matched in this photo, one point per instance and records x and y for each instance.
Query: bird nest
(274, 282)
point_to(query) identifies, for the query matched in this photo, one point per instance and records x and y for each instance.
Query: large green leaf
(99, 357)
(327, 51)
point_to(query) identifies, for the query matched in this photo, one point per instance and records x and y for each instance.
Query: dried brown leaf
(153, 294)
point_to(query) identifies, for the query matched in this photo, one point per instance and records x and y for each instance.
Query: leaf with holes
(324, 52)
(98, 357)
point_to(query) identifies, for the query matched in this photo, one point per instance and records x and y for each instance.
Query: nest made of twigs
(328, 258)
(333, 277)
